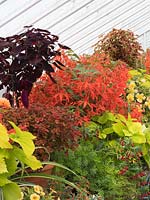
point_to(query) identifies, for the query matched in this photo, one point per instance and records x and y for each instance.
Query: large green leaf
(29, 160)
(24, 138)
(3, 166)
(11, 191)
(107, 131)
(4, 138)
(138, 138)
(4, 180)
(134, 127)
(4, 153)
(11, 164)
(118, 128)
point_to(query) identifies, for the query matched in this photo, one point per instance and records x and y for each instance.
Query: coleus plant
(120, 45)
(23, 58)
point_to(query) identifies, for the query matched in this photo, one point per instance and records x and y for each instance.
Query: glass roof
(78, 23)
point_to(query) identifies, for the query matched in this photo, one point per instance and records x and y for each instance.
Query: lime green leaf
(134, 73)
(118, 128)
(3, 167)
(4, 138)
(29, 160)
(134, 127)
(24, 138)
(145, 149)
(11, 191)
(147, 159)
(146, 84)
(4, 180)
(4, 153)
(147, 134)
(102, 135)
(11, 164)
(107, 130)
(138, 138)
(121, 118)
(92, 126)
(100, 119)
(127, 133)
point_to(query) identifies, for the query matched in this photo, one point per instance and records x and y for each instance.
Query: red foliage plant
(55, 128)
(89, 86)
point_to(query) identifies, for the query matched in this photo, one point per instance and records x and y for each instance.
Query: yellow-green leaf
(3, 167)
(11, 191)
(4, 180)
(4, 138)
(118, 128)
(145, 148)
(24, 139)
(29, 160)
(138, 138)
(127, 133)
(134, 127)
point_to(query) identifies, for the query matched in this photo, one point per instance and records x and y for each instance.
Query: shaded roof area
(77, 22)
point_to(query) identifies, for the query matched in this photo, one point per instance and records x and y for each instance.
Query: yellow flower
(34, 196)
(140, 97)
(147, 103)
(38, 189)
(4, 103)
(131, 86)
(130, 97)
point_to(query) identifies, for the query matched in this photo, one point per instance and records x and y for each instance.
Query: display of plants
(89, 120)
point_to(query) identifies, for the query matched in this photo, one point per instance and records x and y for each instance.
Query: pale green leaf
(4, 153)
(134, 73)
(29, 160)
(118, 128)
(4, 180)
(102, 135)
(134, 127)
(11, 191)
(3, 167)
(11, 164)
(138, 138)
(107, 131)
(121, 118)
(24, 139)
(127, 133)
(4, 138)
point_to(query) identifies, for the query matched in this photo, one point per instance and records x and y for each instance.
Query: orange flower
(4, 103)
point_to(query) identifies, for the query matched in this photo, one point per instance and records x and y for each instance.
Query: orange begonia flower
(4, 103)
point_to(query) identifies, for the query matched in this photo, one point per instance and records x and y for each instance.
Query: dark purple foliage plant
(23, 58)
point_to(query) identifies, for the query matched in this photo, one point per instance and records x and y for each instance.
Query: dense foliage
(120, 45)
(88, 86)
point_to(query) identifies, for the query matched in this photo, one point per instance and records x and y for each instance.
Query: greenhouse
(74, 100)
